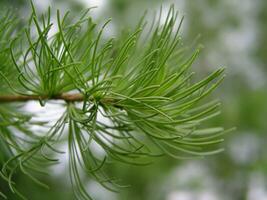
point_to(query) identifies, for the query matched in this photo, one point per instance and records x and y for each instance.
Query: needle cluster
(136, 99)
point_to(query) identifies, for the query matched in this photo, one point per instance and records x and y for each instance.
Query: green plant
(139, 83)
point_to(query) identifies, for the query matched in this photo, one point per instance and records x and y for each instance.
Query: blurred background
(234, 34)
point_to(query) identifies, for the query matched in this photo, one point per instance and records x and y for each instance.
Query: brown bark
(21, 98)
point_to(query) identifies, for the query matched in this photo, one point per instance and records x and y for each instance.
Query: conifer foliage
(133, 96)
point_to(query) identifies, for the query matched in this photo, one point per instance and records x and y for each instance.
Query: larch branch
(65, 96)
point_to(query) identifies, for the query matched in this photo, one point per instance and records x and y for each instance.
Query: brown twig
(21, 98)
(66, 97)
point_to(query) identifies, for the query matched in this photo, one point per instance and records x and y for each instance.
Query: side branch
(22, 98)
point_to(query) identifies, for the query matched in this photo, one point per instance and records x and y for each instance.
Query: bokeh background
(234, 34)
